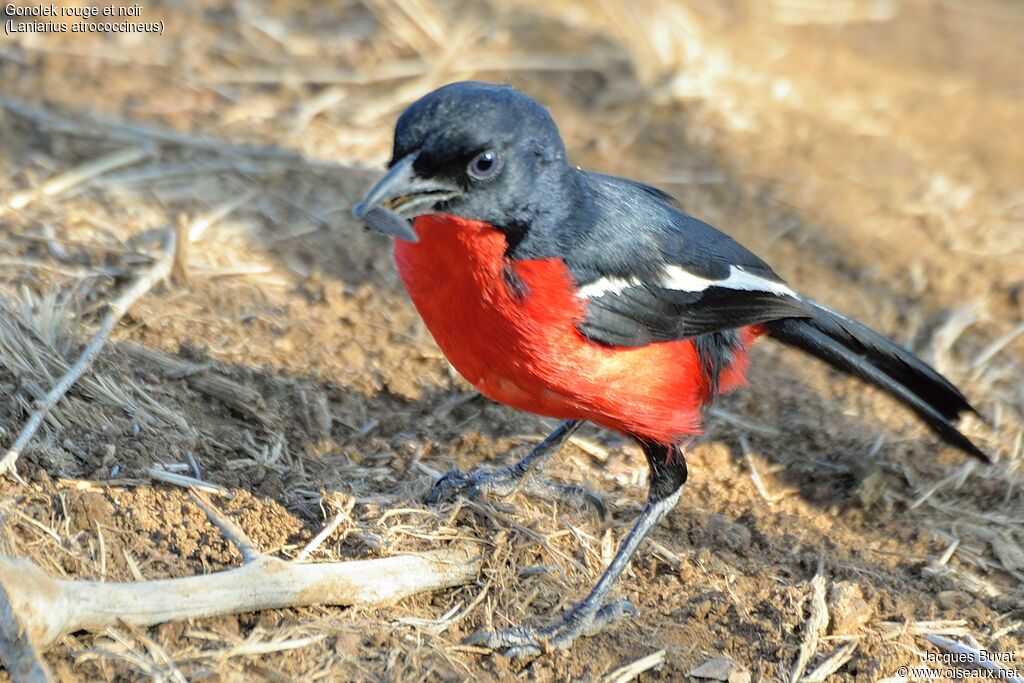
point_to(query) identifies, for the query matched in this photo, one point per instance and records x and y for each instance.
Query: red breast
(525, 350)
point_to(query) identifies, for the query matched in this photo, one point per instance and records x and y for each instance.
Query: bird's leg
(590, 615)
(506, 480)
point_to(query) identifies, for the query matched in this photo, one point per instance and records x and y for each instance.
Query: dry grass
(284, 368)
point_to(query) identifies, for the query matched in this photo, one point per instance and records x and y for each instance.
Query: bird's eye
(483, 165)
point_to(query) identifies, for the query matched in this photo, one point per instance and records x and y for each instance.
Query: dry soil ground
(872, 151)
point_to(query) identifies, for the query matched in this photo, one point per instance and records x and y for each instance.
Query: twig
(201, 223)
(634, 669)
(453, 616)
(249, 649)
(47, 608)
(70, 271)
(815, 625)
(79, 175)
(234, 533)
(755, 475)
(995, 347)
(591, 448)
(738, 421)
(168, 477)
(194, 465)
(321, 537)
(116, 310)
(664, 553)
(837, 659)
(972, 656)
(948, 627)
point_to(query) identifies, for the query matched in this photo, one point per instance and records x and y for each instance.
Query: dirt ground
(872, 151)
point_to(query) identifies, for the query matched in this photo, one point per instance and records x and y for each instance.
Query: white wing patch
(682, 280)
(605, 285)
(742, 279)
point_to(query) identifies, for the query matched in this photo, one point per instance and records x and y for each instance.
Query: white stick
(46, 608)
(321, 537)
(79, 175)
(234, 533)
(169, 477)
(216, 214)
(634, 669)
(841, 656)
(995, 347)
(159, 270)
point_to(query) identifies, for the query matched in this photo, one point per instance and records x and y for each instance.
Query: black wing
(649, 272)
(637, 313)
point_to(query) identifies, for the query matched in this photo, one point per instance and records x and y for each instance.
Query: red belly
(526, 352)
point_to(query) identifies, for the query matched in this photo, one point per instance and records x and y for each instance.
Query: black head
(475, 150)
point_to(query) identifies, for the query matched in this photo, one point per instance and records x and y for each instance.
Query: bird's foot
(529, 641)
(455, 482)
(505, 481)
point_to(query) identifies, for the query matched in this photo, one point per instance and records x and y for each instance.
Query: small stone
(715, 669)
(730, 535)
(953, 600)
(847, 607)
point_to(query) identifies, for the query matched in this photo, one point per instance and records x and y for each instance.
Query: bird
(586, 297)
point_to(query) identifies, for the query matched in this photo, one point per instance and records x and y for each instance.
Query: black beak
(399, 197)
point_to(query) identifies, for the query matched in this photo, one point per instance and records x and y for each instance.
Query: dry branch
(234, 533)
(324, 534)
(79, 175)
(633, 670)
(18, 654)
(47, 608)
(835, 661)
(116, 310)
(814, 627)
(36, 609)
(168, 477)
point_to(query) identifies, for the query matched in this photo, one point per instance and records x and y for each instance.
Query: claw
(527, 641)
(451, 483)
(610, 613)
(456, 483)
(504, 482)
(522, 651)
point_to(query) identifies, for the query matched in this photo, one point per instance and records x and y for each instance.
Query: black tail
(859, 351)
